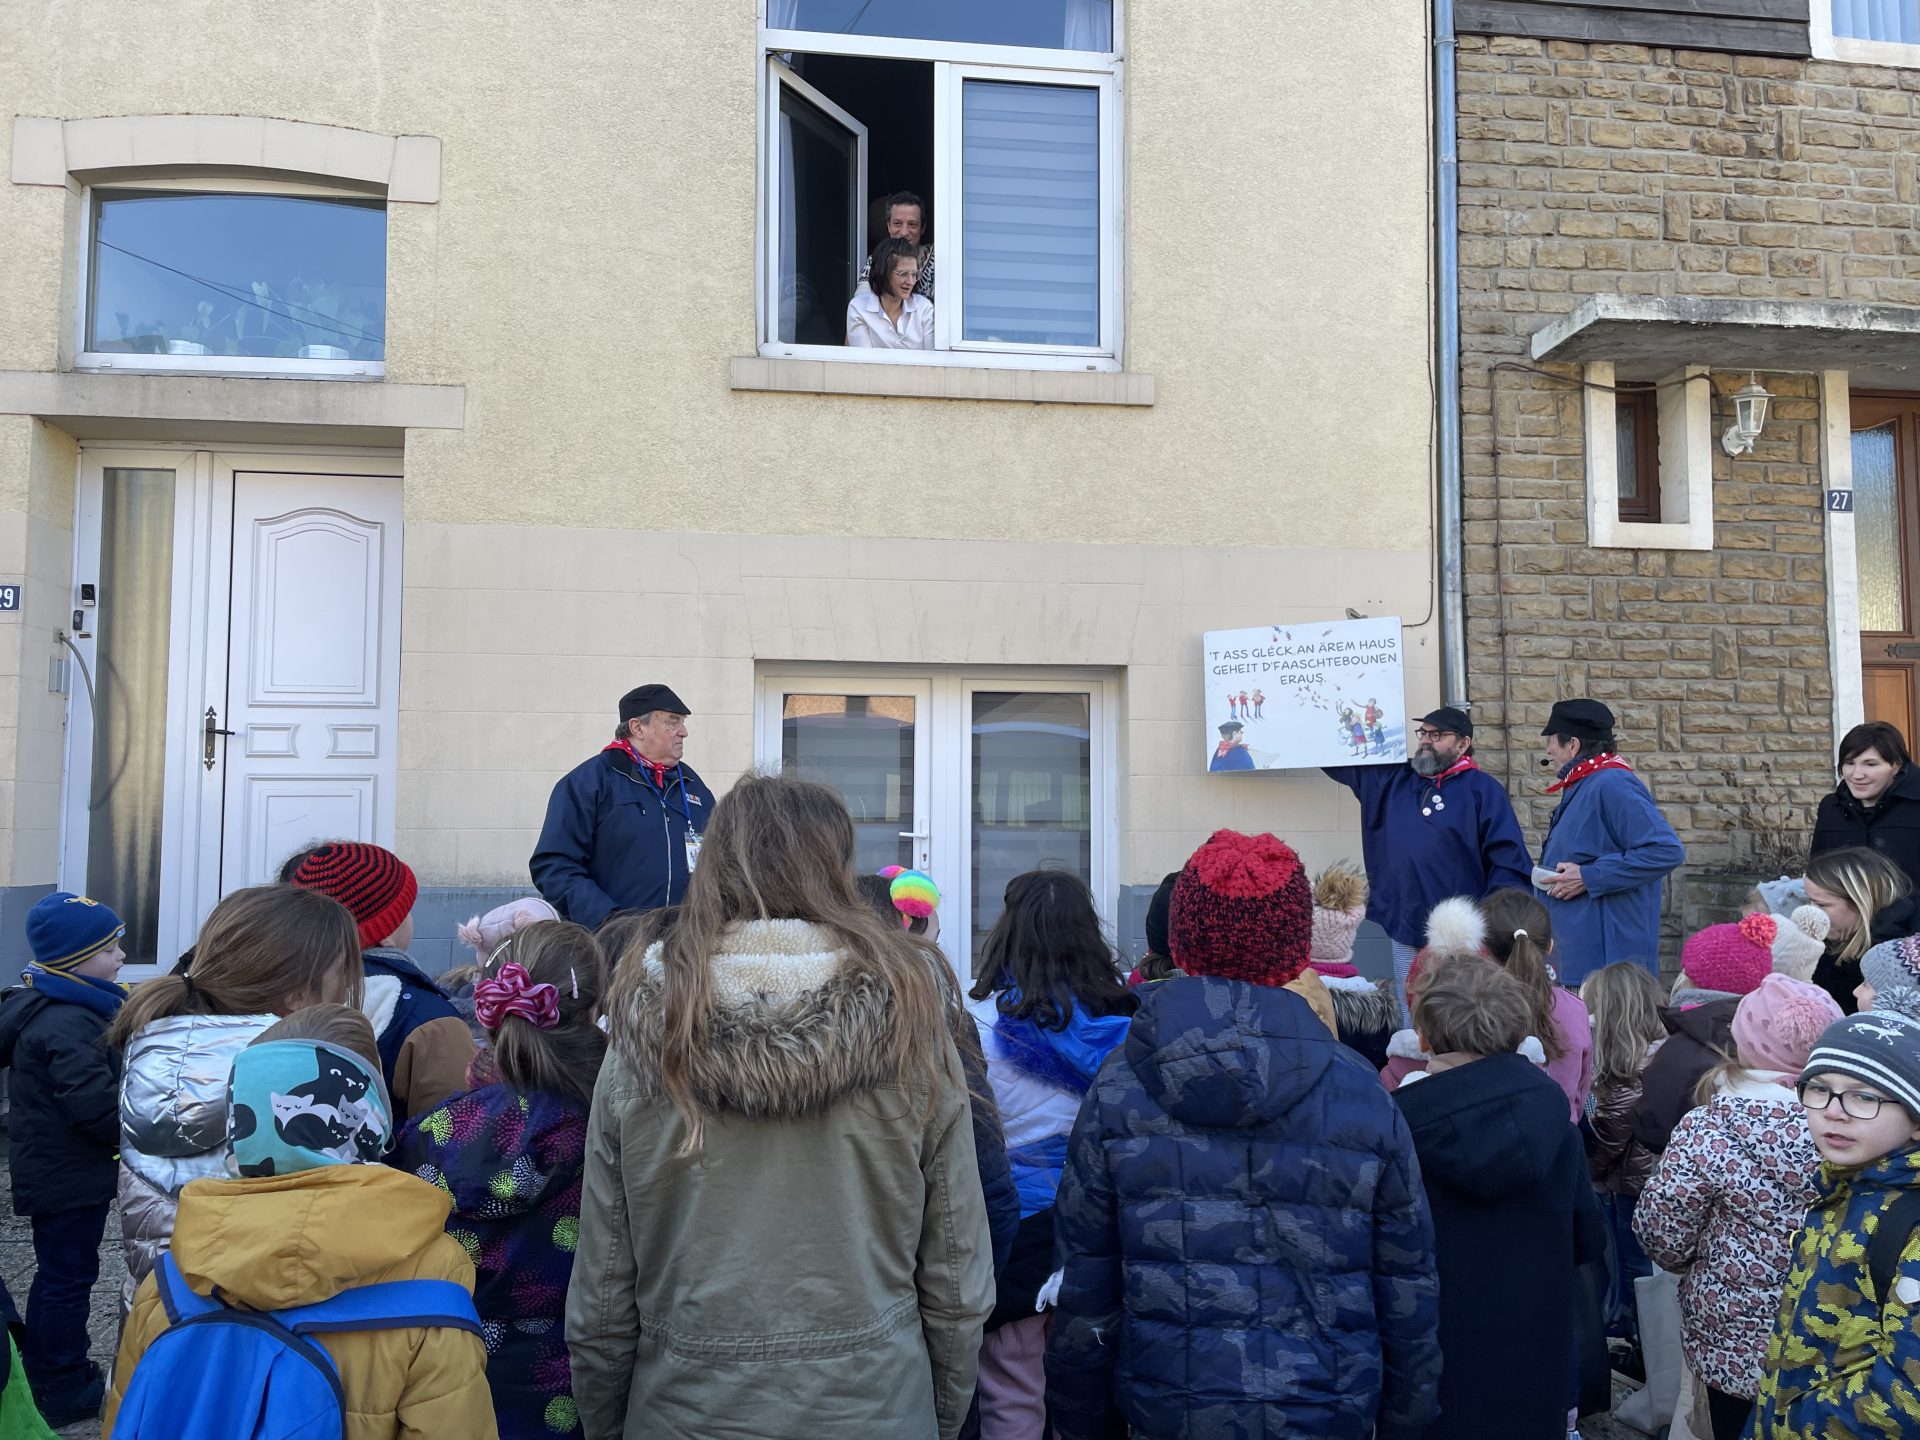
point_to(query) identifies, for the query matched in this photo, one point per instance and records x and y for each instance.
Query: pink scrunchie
(512, 992)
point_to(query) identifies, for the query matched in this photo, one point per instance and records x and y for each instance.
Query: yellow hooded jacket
(286, 1240)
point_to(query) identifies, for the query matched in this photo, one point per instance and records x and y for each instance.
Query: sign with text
(1289, 697)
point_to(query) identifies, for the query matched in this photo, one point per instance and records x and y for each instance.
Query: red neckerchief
(1458, 767)
(1221, 750)
(658, 771)
(1607, 761)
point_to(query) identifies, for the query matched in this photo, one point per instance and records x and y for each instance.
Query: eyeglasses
(1859, 1104)
(1428, 733)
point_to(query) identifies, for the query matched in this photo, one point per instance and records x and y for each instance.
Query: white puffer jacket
(173, 1124)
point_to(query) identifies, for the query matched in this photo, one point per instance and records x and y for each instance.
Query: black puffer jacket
(65, 1099)
(1699, 1037)
(1891, 827)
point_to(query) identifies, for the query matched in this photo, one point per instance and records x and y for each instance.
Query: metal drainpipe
(1453, 629)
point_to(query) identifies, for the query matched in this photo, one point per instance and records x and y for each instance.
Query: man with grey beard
(1437, 827)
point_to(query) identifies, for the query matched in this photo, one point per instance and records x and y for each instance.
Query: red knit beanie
(374, 884)
(1242, 910)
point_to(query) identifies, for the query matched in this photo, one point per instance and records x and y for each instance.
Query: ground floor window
(974, 777)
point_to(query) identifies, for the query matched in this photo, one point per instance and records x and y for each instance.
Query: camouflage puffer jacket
(1841, 1362)
(1248, 1251)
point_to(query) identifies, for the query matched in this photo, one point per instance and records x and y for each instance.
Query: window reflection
(861, 746)
(1032, 793)
(1876, 530)
(1041, 24)
(280, 276)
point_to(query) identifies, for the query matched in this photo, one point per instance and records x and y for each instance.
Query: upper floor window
(967, 157)
(235, 282)
(1883, 32)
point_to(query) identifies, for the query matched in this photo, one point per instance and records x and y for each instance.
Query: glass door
(867, 742)
(1886, 501)
(973, 776)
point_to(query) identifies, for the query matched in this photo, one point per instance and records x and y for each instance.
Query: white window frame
(272, 367)
(955, 63)
(947, 731)
(1828, 46)
(1685, 482)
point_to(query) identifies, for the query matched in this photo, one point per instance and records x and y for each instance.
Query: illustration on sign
(1288, 697)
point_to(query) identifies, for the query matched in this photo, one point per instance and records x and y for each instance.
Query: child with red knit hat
(1247, 1245)
(425, 1045)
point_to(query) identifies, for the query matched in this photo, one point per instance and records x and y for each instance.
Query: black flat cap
(648, 698)
(1582, 719)
(1228, 727)
(1448, 718)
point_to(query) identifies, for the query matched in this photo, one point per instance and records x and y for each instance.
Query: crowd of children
(756, 1165)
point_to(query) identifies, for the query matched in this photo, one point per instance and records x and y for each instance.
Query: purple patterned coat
(512, 1163)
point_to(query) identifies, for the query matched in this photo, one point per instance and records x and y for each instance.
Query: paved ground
(16, 1268)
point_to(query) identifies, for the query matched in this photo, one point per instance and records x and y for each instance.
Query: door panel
(314, 669)
(1886, 485)
(871, 749)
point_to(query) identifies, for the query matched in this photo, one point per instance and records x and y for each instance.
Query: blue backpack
(217, 1373)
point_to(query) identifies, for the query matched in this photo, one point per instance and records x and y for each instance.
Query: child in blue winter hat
(64, 1132)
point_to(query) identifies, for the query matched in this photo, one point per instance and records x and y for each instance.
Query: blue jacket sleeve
(559, 863)
(1509, 866)
(990, 1150)
(1649, 850)
(1406, 1294)
(1080, 1356)
(1360, 779)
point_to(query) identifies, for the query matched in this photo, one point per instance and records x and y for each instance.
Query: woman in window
(888, 315)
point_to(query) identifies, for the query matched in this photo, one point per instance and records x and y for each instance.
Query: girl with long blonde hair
(780, 1173)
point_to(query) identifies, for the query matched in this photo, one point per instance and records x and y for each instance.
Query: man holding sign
(1436, 827)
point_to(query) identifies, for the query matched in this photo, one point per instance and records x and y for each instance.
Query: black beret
(1582, 719)
(649, 698)
(1448, 718)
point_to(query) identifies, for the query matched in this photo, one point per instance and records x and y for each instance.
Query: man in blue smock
(1436, 827)
(1610, 848)
(623, 829)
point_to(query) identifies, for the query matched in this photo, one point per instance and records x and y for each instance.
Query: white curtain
(783, 14)
(1089, 25)
(1892, 20)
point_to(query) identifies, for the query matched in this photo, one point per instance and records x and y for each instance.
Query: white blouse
(868, 327)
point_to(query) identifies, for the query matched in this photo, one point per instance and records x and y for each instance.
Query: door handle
(207, 733)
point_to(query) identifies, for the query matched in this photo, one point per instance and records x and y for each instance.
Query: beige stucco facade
(608, 506)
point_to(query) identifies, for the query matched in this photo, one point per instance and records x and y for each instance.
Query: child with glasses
(1846, 1352)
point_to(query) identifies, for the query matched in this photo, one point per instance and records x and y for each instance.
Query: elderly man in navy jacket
(623, 829)
(1436, 827)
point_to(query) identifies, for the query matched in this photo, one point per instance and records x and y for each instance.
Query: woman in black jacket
(1876, 805)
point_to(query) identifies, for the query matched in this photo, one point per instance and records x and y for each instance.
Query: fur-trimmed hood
(796, 1026)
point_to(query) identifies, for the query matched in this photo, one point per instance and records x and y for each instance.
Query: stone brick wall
(1591, 169)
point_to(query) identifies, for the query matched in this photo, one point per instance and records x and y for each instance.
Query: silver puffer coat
(173, 1123)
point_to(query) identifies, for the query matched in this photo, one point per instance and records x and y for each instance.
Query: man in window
(906, 220)
(623, 828)
(1436, 827)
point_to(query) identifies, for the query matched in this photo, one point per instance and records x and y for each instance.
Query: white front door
(238, 665)
(313, 669)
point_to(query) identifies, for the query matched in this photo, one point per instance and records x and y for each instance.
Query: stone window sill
(940, 382)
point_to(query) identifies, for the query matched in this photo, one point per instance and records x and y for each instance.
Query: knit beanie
(1776, 1025)
(1736, 957)
(1454, 927)
(1158, 909)
(487, 933)
(65, 930)
(1894, 965)
(1339, 905)
(1242, 910)
(373, 883)
(1879, 1047)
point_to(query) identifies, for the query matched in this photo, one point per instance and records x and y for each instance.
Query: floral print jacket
(512, 1162)
(1722, 1208)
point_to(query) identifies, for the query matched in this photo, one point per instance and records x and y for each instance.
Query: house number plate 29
(9, 597)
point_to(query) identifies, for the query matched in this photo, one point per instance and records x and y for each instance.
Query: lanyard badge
(693, 848)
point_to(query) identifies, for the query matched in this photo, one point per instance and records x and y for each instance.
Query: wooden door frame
(1868, 410)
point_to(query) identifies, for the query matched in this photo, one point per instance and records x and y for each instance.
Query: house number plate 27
(1840, 501)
